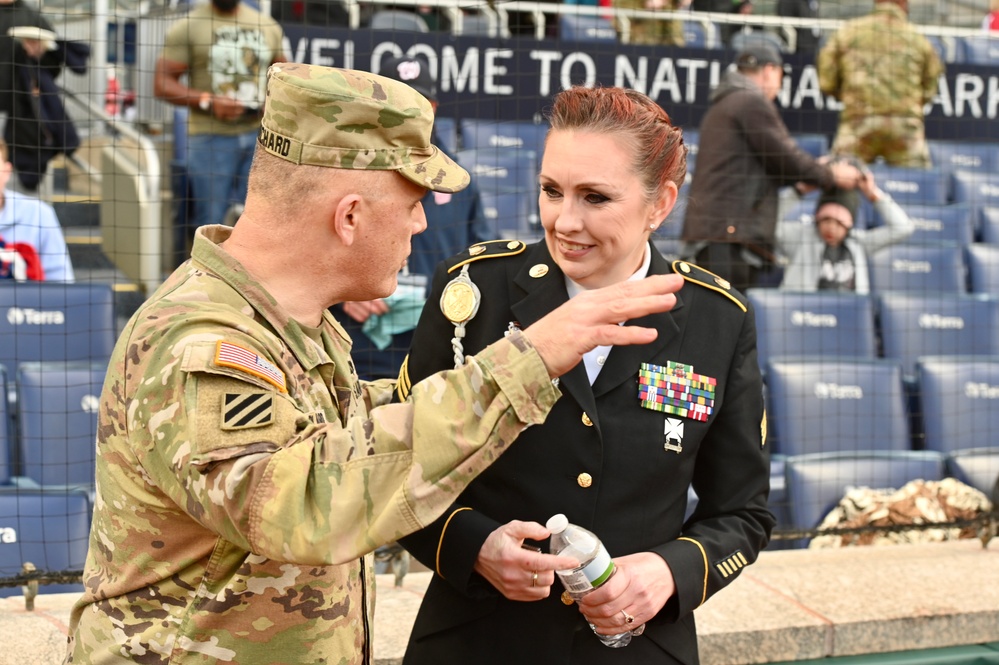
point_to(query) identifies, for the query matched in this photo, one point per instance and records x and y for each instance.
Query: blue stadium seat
(977, 467)
(446, 130)
(979, 50)
(510, 214)
(503, 134)
(815, 145)
(919, 269)
(822, 404)
(976, 188)
(816, 483)
(983, 268)
(50, 321)
(944, 46)
(959, 401)
(57, 412)
(951, 223)
(953, 155)
(699, 34)
(580, 28)
(498, 170)
(923, 186)
(829, 324)
(5, 431)
(691, 139)
(935, 325)
(398, 20)
(51, 529)
(989, 225)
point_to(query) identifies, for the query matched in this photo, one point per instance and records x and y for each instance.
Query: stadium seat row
(896, 326)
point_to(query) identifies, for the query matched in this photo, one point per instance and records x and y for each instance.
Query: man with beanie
(745, 155)
(382, 329)
(244, 474)
(831, 255)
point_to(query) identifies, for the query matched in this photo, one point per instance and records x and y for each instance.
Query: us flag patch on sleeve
(243, 411)
(232, 355)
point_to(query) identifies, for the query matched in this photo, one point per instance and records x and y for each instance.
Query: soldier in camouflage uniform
(244, 474)
(654, 30)
(884, 73)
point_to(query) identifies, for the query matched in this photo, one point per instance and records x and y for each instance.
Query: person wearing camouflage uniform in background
(655, 31)
(884, 73)
(244, 474)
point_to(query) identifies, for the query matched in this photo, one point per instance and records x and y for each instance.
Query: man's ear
(346, 218)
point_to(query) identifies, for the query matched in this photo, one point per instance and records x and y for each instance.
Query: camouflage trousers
(899, 141)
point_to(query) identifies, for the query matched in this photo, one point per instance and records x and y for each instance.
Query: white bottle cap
(557, 523)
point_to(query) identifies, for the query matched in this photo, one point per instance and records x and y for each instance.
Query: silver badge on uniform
(673, 432)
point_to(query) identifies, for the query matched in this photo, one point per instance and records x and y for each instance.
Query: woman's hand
(519, 573)
(639, 588)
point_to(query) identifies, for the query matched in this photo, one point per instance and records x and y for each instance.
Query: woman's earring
(652, 227)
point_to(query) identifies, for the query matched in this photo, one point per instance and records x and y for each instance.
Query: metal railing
(130, 180)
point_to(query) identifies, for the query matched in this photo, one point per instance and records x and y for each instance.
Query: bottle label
(583, 580)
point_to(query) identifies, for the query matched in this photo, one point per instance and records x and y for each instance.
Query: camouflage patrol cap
(349, 119)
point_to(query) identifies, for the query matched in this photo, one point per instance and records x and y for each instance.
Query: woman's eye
(593, 197)
(551, 192)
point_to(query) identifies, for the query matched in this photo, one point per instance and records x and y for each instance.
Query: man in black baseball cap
(746, 154)
(758, 53)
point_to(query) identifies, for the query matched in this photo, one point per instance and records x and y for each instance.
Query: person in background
(244, 473)
(806, 39)
(222, 48)
(729, 30)
(618, 452)
(382, 329)
(655, 31)
(831, 254)
(746, 154)
(991, 21)
(30, 233)
(884, 72)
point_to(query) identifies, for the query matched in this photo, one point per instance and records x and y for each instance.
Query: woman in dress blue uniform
(634, 429)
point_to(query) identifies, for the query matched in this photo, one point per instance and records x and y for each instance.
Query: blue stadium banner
(515, 78)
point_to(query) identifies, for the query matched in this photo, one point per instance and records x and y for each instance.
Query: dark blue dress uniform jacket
(636, 497)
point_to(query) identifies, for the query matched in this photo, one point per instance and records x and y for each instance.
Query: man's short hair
(347, 119)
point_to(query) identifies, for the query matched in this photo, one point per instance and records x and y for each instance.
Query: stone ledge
(791, 605)
(808, 604)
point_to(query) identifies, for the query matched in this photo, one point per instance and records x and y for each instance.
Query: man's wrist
(205, 101)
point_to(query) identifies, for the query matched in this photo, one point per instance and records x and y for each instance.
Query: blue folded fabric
(405, 306)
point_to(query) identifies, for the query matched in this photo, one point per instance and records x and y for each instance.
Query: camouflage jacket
(878, 65)
(243, 474)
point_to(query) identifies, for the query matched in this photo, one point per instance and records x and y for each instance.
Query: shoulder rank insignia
(489, 249)
(243, 411)
(698, 275)
(237, 357)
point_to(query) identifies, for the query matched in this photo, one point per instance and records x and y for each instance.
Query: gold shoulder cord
(459, 303)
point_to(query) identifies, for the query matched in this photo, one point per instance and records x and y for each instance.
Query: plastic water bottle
(595, 566)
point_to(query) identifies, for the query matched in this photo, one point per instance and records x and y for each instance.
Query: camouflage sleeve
(932, 72)
(828, 68)
(311, 492)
